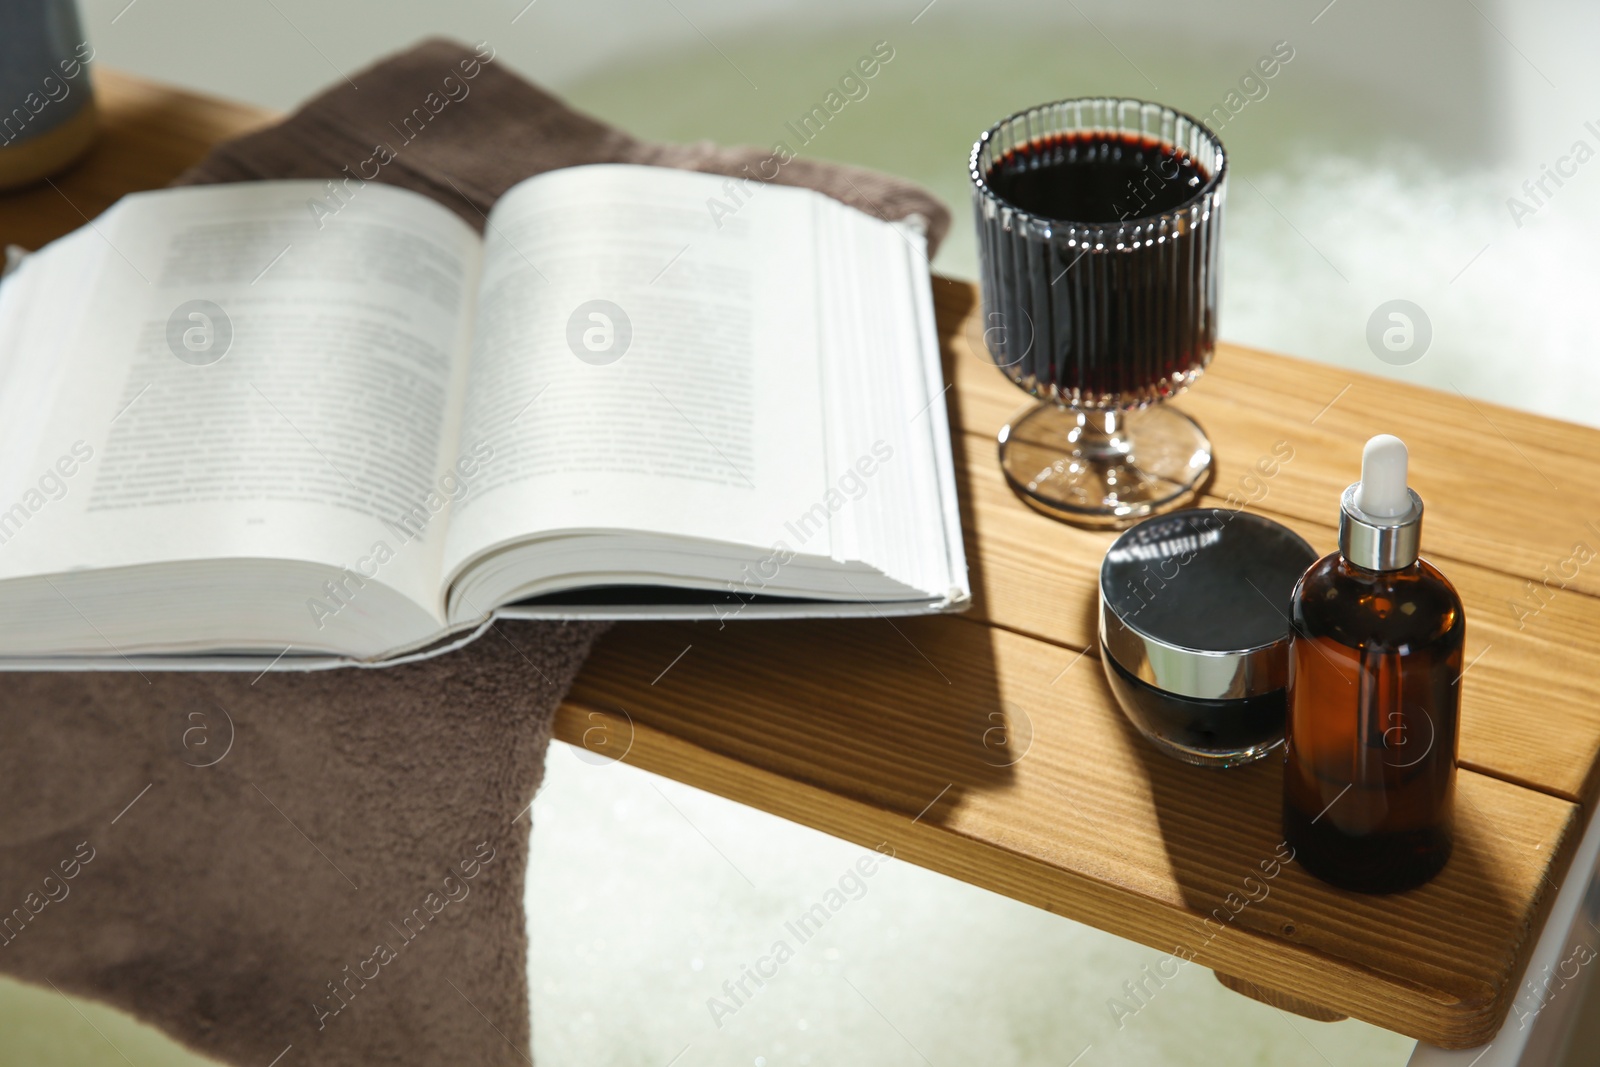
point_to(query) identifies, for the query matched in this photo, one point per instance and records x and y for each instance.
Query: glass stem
(1100, 435)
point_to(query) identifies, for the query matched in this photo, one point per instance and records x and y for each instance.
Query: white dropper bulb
(1382, 492)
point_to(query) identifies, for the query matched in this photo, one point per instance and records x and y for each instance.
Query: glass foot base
(1105, 469)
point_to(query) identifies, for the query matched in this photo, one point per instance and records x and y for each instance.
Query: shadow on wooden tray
(1451, 943)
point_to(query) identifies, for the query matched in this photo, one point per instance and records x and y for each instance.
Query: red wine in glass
(1098, 226)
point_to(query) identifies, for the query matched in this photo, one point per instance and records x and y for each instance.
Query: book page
(644, 359)
(270, 371)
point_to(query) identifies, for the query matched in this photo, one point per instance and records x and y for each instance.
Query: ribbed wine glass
(1099, 222)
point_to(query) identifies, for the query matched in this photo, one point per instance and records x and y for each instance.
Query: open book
(333, 420)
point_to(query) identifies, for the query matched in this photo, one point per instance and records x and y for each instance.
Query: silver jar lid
(1196, 603)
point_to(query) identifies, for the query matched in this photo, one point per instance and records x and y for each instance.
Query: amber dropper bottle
(1374, 694)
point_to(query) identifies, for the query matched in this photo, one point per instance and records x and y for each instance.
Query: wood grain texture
(987, 746)
(1037, 576)
(1279, 1000)
(1001, 760)
(149, 134)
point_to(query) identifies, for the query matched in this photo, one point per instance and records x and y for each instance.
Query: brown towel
(455, 124)
(326, 867)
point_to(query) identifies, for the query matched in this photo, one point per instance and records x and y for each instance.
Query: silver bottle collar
(1379, 544)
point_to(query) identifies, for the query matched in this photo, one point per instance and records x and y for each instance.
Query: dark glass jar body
(1375, 662)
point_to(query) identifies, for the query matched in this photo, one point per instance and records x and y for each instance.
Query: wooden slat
(1280, 1000)
(990, 756)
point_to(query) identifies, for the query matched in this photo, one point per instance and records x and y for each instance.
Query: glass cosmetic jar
(1194, 631)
